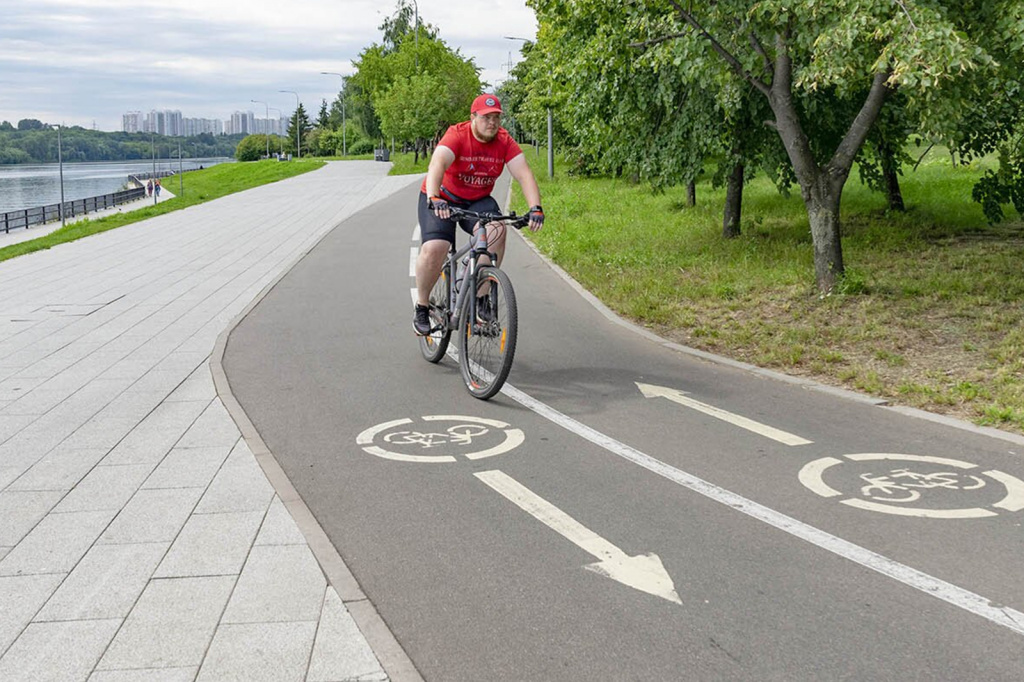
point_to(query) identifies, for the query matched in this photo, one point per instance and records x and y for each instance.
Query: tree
(823, 68)
(299, 121)
(454, 81)
(323, 120)
(794, 52)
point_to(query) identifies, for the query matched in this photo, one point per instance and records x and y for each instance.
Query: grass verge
(200, 186)
(930, 313)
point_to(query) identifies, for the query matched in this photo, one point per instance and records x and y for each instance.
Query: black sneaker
(484, 309)
(421, 320)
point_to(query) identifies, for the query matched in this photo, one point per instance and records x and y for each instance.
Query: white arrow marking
(644, 572)
(680, 397)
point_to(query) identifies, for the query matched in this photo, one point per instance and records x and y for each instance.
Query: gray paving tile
(188, 467)
(198, 386)
(240, 485)
(171, 625)
(61, 652)
(61, 469)
(211, 544)
(259, 652)
(147, 675)
(10, 424)
(152, 516)
(160, 381)
(278, 527)
(38, 401)
(278, 583)
(156, 434)
(4, 551)
(56, 543)
(105, 487)
(105, 583)
(214, 427)
(340, 651)
(21, 511)
(102, 431)
(15, 387)
(20, 599)
(10, 474)
(136, 404)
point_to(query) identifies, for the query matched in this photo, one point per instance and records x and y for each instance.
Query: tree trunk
(733, 203)
(691, 193)
(822, 202)
(892, 181)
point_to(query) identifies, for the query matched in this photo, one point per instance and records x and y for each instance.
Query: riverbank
(199, 186)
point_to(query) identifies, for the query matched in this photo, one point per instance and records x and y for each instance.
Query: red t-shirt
(477, 164)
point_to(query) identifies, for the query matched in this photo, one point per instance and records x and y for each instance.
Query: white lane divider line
(414, 252)
(957, 596)
(643, 572)
(680, 398)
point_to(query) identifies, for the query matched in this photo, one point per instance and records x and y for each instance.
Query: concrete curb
(390, 654)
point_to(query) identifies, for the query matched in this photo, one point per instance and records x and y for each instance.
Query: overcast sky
(87, 62)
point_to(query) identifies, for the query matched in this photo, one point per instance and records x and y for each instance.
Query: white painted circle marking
(913, 478)
(405, 441)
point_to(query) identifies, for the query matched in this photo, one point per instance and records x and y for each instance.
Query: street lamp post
(298, 145)
(551, 137)
(60, 165)
(344, 127)
(267, 107)
(152, 142)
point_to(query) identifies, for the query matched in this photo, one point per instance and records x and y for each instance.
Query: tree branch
(907, 12)
(655, 41)
(842, 160)
(759, 48)
(730, 59)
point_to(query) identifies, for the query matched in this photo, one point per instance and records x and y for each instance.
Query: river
(30, 185)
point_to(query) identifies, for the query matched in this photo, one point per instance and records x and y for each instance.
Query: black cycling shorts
(432, 227)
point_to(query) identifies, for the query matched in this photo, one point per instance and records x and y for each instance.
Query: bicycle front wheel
(488, 325)
(434, 345)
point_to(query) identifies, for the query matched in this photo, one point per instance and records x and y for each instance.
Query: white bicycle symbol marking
(462, 433)
(883, 487)
(892, 492)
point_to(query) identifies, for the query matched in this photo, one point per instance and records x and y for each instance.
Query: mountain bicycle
(479, 304)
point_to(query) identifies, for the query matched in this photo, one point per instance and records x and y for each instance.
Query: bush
(253, 147)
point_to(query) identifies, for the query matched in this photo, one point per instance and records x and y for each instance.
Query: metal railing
(39, 215)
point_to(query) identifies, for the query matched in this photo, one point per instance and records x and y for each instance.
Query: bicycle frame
(456, 295)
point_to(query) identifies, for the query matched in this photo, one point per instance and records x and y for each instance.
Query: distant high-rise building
(131, 122)
(172, 123)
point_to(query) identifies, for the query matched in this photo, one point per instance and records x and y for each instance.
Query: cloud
(86, 61)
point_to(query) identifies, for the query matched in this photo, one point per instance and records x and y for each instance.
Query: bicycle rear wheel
(434, 345)
(487, 337)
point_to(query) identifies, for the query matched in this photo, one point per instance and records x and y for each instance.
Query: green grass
(403, 164)
(930, 313)
(200, 186)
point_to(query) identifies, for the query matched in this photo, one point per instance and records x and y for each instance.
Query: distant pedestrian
(149, 188)
(156, 188)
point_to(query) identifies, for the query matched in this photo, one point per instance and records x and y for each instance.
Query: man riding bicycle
(462, 171)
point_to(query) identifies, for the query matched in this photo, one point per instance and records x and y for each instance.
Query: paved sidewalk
(139, 538)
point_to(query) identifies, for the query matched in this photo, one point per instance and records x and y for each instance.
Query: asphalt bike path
(623, 510)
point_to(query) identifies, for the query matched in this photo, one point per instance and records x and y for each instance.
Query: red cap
(485, 104)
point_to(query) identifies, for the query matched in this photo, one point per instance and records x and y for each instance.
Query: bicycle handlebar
(517, 221)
